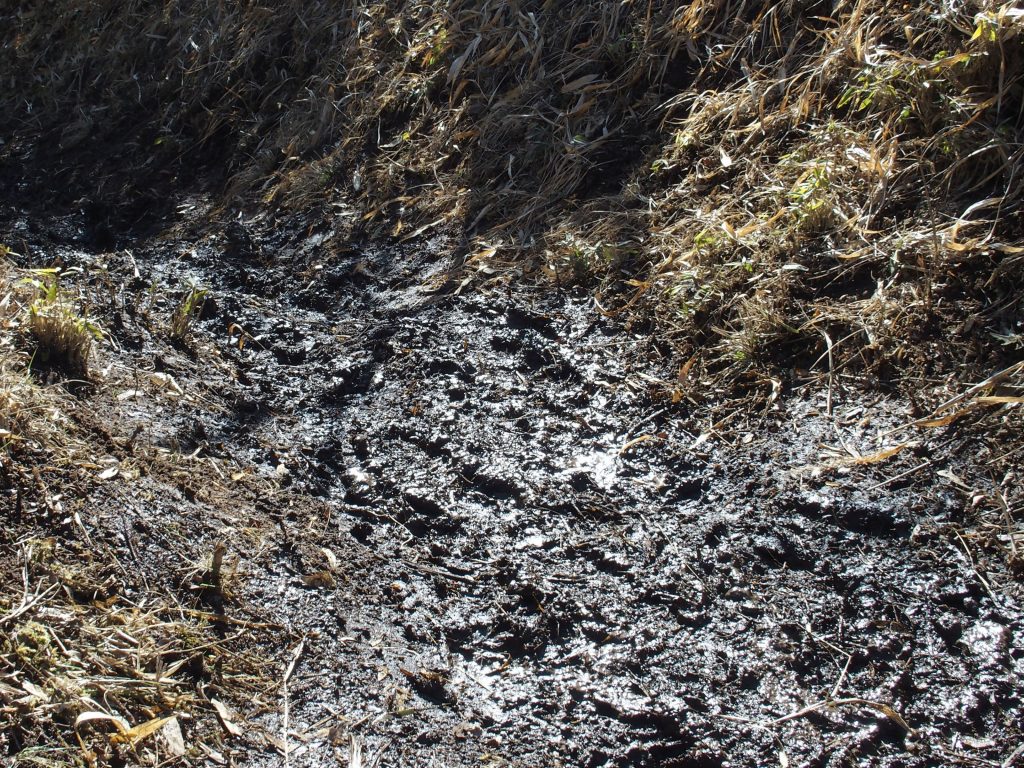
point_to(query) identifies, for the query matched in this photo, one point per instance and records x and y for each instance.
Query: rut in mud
(488, 538)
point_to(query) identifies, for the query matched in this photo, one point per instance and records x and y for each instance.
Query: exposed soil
(472, 528)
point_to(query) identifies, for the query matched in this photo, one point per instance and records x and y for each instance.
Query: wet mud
(479, 532)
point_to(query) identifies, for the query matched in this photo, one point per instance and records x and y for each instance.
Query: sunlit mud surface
(485, 536)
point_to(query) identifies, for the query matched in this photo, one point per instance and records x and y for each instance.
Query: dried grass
(28, 413)
(95, 661)
(758, 178)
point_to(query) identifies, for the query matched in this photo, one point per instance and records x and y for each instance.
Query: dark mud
(489, 538)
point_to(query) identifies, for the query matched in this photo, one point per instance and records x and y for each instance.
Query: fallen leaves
(226, 717)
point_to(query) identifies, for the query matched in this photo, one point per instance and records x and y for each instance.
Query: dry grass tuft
(29, 413)
(184, 316)
(62, 335)
(99, 675)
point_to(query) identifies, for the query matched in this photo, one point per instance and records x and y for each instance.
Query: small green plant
(579, 261)
(188, 311)
(707, 242)
(64, 337)
(435, 53)
(811, 198)
(884, 85)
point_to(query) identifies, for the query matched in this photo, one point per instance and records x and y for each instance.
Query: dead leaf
(578, 83)
(892, 714)
(226, 717)
(336, 734)
(875, 458)
(467, 730)
(34, 690)
(635, 441)
(167, 381)
(945, 421)
(460, 61)
(213, 755)
(174, 742)
(684, 370)
(92, 716)
(355, 755)
(332, 559)
(140, 732)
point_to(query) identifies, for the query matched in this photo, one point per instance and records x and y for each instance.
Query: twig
(831, 368)
(991, 381)
(431, 570)
(355, 759)
(28, 604)
(842, 676)
(1009, 523)
(885, 709)
(216, 617)
(216, 563)
(640, 422)
(1006, 455)
(900, 476)
(828, 703)
(1012, 758)
(324, 720)
(970, 561)
(284, 693)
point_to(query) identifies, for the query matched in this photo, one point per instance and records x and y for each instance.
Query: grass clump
(30, 415)
(184, 316)
(63, 337)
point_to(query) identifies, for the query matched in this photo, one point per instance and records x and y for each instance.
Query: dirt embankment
(765, 182)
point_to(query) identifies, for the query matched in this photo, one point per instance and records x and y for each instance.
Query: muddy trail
(476, 531)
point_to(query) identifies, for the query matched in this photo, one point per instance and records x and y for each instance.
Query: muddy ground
(469, 527)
